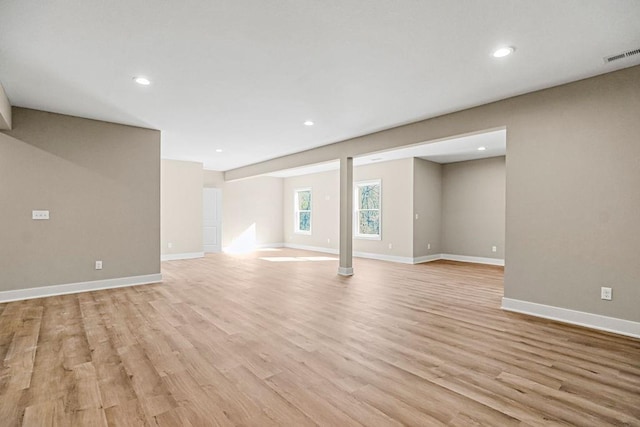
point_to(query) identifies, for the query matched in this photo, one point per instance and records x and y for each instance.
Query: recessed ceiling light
(503, 51)
(308, 123)
(142, 81)
(482, 148)
(218, 150)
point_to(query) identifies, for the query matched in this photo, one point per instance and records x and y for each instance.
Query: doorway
(212, 219)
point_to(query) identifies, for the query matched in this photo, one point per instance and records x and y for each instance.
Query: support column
(346, 216)
(5, 111)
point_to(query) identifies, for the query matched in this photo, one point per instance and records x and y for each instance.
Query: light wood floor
(245, 341)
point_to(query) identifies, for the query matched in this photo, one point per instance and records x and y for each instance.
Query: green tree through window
(302, 210)
(367, 215)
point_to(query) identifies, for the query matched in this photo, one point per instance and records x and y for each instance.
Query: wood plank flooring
(243, 341)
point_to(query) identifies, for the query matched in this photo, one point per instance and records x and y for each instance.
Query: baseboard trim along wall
(474, 259)
(186, 255)
(427, 258)
(74, 288)
(580, 318)
(402, 260)
(312, 248)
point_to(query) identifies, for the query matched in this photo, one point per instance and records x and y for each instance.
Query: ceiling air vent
(622, 55)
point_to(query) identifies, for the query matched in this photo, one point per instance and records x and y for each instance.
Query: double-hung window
(302, 211)
(367, 204)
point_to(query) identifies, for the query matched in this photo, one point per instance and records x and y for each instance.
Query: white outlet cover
(98, 265)
(606, 293)
(40, 215)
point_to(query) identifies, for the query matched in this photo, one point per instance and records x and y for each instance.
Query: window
(302, 211)
(367, 209)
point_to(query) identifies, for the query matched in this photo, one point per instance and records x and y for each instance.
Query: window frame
(297, 211)
(356, 210)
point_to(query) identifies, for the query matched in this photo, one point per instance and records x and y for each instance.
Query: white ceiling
(450, 150)
(244, 75)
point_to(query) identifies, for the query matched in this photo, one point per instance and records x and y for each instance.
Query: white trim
(74, 288)
(426, 258)
(383, 257)
(401, 259)
(474, 259)
(311, 248)
(186, 255)
(297, 211)
(356, 210)
(581, 318)
(345, 271)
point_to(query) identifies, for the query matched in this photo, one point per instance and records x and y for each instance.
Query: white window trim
(356, 210)
(296, 211)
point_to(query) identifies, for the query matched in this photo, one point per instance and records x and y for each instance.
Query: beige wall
(572, 204)
(427, 204)
(212, 179)
(5, 110)
(397, 199)
(254, 202)
(473, 208)
(325, 209)
(181, 207)
(101, 183)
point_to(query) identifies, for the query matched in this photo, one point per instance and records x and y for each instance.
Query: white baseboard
(426, 258)
(474, 259)
(186, 255)
(581, 318)
(312, 248)
(74, 288)
(383, 257)
(400, 259)
(345, 271)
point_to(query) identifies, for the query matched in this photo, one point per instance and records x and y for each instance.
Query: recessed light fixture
(482, 148)
(142, 81)
(218, 150)
(503, 51)
(308, 123)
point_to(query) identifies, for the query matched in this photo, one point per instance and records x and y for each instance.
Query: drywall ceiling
(243, 76)
(450, 150)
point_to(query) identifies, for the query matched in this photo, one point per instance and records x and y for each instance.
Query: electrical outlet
(39, 214)
(494, 248)
(328, 240)
(428, 245)
(417, 216)
(98, 265)
(390, 246)
(606, 293)
(170, 245)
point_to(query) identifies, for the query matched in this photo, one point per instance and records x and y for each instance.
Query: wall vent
(622, 55)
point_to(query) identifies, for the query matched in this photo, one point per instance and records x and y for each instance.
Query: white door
(212, 219)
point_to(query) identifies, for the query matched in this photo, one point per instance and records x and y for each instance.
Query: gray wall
(572, 199)
(101, 183)
(253, 202)
(427, 204)
(473, 208)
